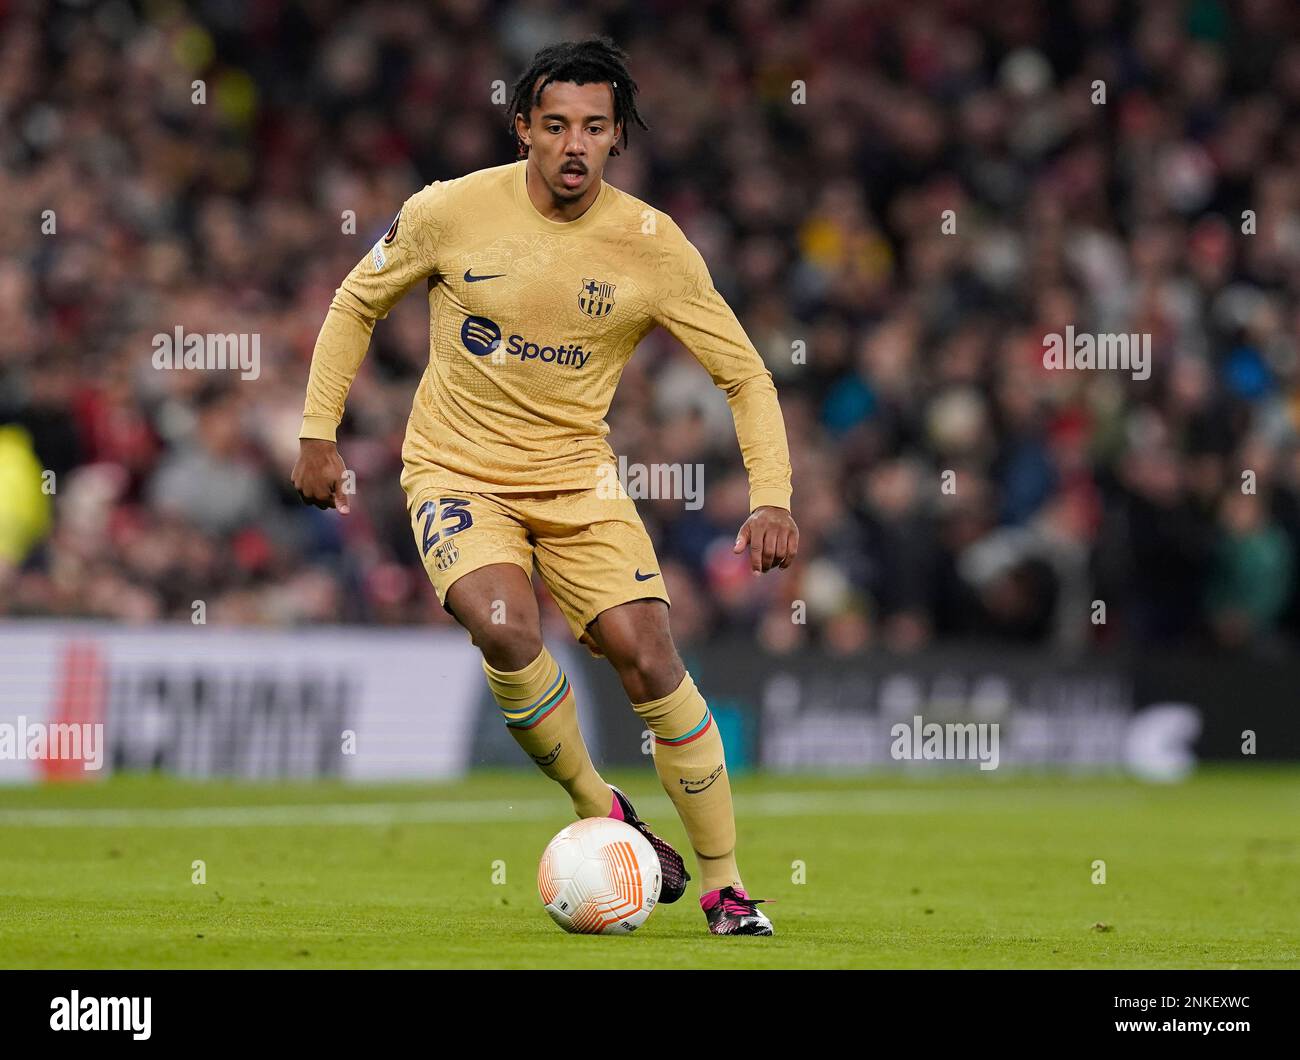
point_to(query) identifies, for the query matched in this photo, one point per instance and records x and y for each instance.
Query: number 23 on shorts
(453, 510)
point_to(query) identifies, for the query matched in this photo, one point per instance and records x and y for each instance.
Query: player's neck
(551, 208)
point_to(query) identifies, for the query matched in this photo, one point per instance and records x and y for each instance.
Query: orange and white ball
(599, 876)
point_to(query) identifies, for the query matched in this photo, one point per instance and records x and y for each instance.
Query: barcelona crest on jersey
(596, 298)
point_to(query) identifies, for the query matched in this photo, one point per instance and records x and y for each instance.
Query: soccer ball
(599, 876)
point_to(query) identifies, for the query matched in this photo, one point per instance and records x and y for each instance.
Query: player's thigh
(636, 639)
(594, 554)
(494, 599)
(479, 557)
(633, 630)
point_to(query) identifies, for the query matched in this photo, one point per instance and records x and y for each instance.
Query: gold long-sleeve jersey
(531, 322)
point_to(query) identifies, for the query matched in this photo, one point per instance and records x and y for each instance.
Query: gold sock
(691, 764)
(538, 708)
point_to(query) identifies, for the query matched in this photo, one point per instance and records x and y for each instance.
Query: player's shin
(538, 708)
(691, 764)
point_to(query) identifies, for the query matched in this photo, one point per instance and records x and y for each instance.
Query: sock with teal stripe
(538, 708)
(692, 767)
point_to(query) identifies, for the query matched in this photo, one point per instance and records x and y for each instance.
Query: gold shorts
(591, 550)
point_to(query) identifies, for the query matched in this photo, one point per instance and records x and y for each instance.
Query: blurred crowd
(957, 181)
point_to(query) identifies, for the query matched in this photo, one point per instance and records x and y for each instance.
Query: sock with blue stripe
(538, 708)
(692, 767)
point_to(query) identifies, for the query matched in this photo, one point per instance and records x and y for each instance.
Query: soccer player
(542, 280)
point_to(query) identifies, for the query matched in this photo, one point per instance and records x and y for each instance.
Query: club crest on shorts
(596, 298)
(445, 555)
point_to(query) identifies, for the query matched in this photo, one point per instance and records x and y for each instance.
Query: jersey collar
(530, 211)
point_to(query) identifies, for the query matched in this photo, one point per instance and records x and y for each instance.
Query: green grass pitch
(960, 870)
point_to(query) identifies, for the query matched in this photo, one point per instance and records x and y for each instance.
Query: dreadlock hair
(582, 62)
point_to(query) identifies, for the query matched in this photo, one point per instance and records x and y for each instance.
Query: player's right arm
(405, 255)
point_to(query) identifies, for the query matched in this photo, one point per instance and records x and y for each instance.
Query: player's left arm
(691, 309)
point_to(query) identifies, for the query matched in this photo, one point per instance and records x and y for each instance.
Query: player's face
(570, 136)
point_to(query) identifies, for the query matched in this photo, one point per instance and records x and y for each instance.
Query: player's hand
(771, 536)
(318, 474)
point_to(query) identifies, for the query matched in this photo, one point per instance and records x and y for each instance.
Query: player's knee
(649, 671)
(507, 645)
(636, 640)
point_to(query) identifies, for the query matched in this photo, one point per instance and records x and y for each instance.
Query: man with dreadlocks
(542, 280)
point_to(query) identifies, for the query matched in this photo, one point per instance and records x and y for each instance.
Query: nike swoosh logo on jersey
(475, 279)
(645, 577)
